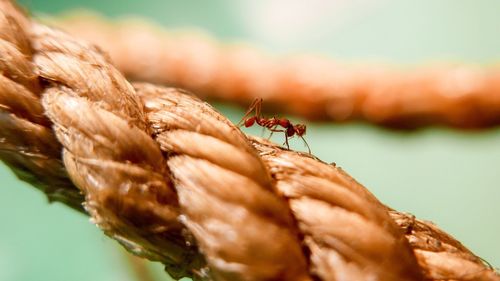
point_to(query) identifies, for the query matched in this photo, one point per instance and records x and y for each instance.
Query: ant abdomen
(250, 121)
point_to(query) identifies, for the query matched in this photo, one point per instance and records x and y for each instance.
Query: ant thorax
(285, 123)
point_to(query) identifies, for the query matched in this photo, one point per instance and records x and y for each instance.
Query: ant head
(300, 129)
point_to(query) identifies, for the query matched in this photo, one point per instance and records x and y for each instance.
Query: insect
(273, 124)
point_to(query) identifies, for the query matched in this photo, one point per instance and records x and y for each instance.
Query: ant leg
(307, 145)
(273, 130)
(286, 141)
(255, 105)
(258, 107)
(263, 131)
(270, 135)
(248, 112)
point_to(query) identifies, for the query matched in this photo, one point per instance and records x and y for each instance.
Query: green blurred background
(449, 177)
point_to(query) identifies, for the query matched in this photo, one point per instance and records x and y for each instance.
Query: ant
(273, 123)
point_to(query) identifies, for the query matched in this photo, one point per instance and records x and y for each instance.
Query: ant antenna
(307, 145)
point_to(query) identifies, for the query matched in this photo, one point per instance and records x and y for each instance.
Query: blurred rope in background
(312, 87)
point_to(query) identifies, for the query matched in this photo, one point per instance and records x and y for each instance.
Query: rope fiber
(174, 181)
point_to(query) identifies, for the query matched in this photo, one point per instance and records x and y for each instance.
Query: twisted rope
(27, 143)
(464, 96)
(174, 181)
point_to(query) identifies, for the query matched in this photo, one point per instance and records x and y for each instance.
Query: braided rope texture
(463, 96)
(174, 181)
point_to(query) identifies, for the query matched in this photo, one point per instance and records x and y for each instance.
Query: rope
(27, 143)
(463, 96)
(174, 181)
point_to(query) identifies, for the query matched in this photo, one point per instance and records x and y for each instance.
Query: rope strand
(174, 181)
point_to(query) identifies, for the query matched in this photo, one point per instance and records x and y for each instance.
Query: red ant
(272, 123)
